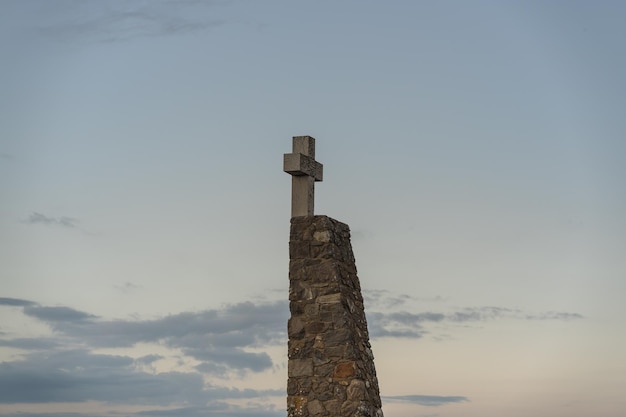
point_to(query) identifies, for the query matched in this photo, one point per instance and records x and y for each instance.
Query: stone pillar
(331, 366)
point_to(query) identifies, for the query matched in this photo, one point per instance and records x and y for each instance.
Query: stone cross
(304, 170)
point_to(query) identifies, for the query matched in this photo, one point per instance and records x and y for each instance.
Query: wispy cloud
(555, 315)
(427, 400)
(79, 375)
(385, 298)
(405, 324)
(217, 338)
(32, 343)
(65, 368)
(6, 301)
(127, 287)
(122, 21)
(38, 218)
(56, 314)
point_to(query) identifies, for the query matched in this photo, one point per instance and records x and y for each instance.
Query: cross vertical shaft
(304, 170)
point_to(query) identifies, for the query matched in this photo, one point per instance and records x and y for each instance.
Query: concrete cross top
(304, 170)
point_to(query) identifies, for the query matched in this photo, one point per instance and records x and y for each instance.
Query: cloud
(38, 218)
(386, 299)
(103, 22)
(6, 301)
(79, 375)
(148, 359)
(555, 315)
(216, 409)
(70, 366)
(217, 338)
(26, 414)
(220, 338)
(31, 343)
(411, 325)
(127, 287)
(56, 314)
(383, 325)
(427, 400)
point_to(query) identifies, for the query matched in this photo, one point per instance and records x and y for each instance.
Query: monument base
(331, 366)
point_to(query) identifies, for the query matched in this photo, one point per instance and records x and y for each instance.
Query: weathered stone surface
(339, 392)
(348, 408)
(315, 327)
(329, 299)
(319, 357)
(338, 337)
(295, 328)
(296, 406)
(333, 407)
(325, 370)
(299, 250)
(315, 408)
(344, 370)
(356, 390)
(300, 367)
(299, 348)
(331, 369)
(322, 236)
(312, 310)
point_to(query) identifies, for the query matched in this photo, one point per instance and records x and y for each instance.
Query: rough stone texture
(331, 366)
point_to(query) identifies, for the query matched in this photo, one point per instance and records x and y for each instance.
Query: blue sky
(476, 149)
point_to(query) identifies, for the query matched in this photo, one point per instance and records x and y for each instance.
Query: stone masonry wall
(331, 366)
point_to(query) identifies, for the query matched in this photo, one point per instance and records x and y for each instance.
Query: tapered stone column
(331, 366)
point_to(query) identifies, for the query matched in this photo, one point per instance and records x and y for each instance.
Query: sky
(475, 149)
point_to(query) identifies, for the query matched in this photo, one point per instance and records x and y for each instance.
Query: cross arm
(299, 164)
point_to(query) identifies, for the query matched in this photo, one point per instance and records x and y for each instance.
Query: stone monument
(331, 366)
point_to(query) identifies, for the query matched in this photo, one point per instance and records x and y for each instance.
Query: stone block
(326, 316)
(299, 348)
(338, 337)
(296, 307)
(312, 310)
(364, 409)
(300, 367)
(296, 406)
(325, 371)
(319, 357)
(344, 370)
(333, 407)
(326, 271)
(322, 236)
(349, 408)
(316, 408)
(326, 251)
(333, 308)
(339, 392)
(292, 386)
(318, 342)
(295, 290)
(295, 328)
(315, 327)
(356, 391)
(329, 299)
(336, 352)
(299, 250)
